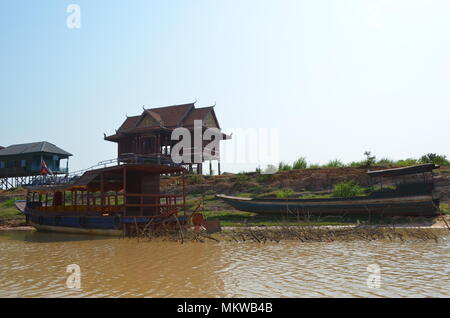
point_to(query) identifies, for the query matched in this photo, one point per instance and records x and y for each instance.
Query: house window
(23, 163)
(2, 164)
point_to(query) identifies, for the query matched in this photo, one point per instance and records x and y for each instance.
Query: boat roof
(112, 175)
(429, 167)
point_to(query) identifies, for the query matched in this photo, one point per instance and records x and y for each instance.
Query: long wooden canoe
(420, 205)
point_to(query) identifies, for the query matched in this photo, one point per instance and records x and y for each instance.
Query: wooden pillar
(102, 192)
(210, 168)
(218, 168)
(125, 189)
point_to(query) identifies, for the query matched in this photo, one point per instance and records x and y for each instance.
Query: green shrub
(300, 163)
(262, 178)
(315, 196)
(284, 166)
(406, 162)
(241, 178)
(357, 164)
(195, 179)
(376, 190)
(10, 203)
(347, 190)
(281, 194)
(435, 158)
(334, 164)
(284, 193)
(385, 162)
(445, 208)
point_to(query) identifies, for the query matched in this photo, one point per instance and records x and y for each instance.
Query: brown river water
(34, 264)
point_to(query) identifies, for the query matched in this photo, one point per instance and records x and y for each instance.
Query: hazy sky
(335, 77)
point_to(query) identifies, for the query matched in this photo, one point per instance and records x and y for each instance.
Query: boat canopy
(111, 177)
(429, 167)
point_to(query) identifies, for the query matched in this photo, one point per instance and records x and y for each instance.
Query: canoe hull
(422, 205)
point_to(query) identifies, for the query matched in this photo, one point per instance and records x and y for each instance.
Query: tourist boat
(117, 200)
(413, 197)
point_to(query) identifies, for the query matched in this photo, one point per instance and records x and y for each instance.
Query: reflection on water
(34, 264)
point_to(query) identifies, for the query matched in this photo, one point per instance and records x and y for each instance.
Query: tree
(370, 160)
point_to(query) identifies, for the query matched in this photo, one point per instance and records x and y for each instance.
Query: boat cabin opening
(413, 180)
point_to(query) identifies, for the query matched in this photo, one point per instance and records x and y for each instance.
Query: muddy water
(34, 265)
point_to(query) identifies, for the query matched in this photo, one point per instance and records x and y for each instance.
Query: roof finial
(215, 103)
(195, 101)
(126, 115)
(143, 107)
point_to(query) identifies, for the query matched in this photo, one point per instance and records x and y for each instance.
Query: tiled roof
(172, 116)
(168, 117)
(196, 114)
(130, 123)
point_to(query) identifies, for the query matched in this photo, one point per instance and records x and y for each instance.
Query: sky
(333, 78)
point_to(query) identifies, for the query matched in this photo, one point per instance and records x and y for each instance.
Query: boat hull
(94, 225)
(422, 205)
(75, 230)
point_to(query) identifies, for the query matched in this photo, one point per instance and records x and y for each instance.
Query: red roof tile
(130, 123)
(172, 116)
(196, 114)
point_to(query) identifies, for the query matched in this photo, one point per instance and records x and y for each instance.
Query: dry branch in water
(302, 234)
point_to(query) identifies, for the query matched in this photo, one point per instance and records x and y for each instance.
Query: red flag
(44, 168)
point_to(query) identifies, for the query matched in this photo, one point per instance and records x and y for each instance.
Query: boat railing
(131, 158)
(162, 203)
(126, 204)
(82, 209)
